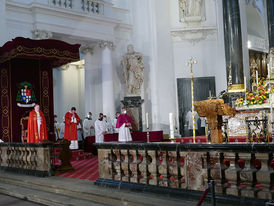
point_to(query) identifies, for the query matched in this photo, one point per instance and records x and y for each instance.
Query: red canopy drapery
(55, 51)
(23, 59)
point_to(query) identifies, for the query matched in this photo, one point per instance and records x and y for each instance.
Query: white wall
(201, 40)
(151, 37)
(93, 83)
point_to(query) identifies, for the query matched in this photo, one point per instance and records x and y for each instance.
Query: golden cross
(191, 62)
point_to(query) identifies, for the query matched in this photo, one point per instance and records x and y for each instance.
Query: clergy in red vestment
(37, 127)
(71, 122)
(123, 123)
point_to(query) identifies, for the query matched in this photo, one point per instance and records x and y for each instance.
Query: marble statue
(133, 66)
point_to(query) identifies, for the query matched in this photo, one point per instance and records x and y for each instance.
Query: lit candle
(147, 125)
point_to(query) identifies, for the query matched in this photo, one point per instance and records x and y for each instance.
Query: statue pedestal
(134, 108)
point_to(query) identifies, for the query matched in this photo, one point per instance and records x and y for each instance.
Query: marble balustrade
(242, 170)
(87, 6)
(33, 159)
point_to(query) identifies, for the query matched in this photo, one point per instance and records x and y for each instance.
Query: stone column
(90, 74)
(3, 27)
(107, 78)
(233, 43)
(270, 16)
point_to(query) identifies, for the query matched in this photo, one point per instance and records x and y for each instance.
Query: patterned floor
(84, 169)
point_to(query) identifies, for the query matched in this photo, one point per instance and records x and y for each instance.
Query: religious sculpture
(271, 63)
(190, 9)
(133, 66)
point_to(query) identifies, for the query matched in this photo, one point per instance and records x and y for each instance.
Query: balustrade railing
(86, 6)
(62, 3)
(92, 6)
(32, 159)
(245, 170)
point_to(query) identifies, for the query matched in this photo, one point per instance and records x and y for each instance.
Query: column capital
(84, 49)
(106, 44)
(41, 34)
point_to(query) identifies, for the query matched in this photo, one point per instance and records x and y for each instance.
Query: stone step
(68, 191)
(42, 197)
(36, 192)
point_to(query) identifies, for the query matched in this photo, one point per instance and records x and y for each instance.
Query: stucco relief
(191, 10)
(41, 34)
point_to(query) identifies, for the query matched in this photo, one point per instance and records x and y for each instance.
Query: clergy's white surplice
(87, 123)
(114, 122)
(73, 144)
(100, 128)
(62, 130)
(189, 121)
(109, 125)
(124, 134)
(39, 122)
(79, 132)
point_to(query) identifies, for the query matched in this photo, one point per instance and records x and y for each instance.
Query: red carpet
(84, 169)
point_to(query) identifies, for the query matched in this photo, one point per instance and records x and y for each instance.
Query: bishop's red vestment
(33, 128)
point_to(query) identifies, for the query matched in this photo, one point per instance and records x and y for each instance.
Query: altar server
(100, 129)
(116, 130)
(71, 122)
(123, 123)
(88, 127)
(62, 129)
(37, 127)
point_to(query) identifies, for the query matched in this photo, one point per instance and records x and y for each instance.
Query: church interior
(137, 102)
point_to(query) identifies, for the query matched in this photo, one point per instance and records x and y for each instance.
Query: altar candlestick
(245, 87)
(191, 62)
(257, 80)
(268, 70)
(270, 94)
(171, 125)
(147, 125)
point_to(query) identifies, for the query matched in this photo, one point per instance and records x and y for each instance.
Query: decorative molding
(45, 96)
(5, 106)
(106, 44)
(257, 43)
(74, 65)
(41, 34)
(194, 35)
(86, 49)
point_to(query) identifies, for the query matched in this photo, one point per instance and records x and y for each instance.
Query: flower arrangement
(256, 98)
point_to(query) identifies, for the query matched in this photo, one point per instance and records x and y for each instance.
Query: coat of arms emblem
(25, 95)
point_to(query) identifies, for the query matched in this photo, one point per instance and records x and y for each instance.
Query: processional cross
(190, 63)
